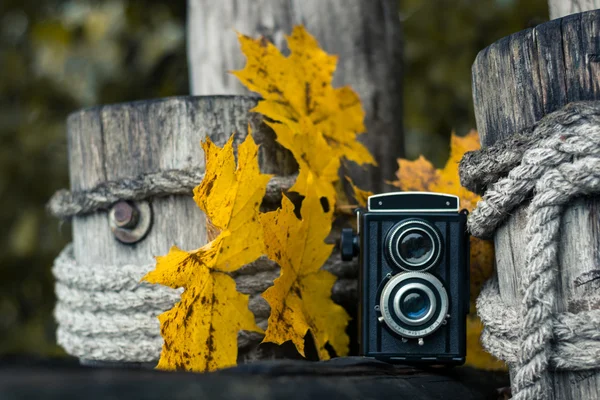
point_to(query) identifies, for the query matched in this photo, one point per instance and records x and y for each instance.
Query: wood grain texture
(516, 81)
(122, 141)
(562, 8)
(349, 378)
(364, 34)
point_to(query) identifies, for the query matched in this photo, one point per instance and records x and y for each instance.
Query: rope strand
(560, 161)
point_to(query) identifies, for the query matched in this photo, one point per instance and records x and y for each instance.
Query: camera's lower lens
(415, 304)
(415, 247)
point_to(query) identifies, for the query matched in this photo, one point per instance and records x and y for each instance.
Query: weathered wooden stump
(562, 8)
(123, 141)
(516, 81)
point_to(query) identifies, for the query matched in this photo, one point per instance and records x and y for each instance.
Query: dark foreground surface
(348, 378)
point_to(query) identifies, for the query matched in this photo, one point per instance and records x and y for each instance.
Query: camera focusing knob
(348, 244)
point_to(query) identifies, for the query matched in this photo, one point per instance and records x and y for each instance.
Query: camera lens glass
(415, 304)
(415, 247)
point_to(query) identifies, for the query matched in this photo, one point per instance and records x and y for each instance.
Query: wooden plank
(582, 54)
(562, 8)
(291, 380)
(364, 34)
(552, 65)
(550, 58)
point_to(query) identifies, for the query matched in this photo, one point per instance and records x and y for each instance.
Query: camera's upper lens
(415, 247)
(415, 304)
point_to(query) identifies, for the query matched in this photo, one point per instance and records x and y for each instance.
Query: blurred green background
(58, 56)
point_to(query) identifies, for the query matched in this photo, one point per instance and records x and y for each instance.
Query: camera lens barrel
(413, 245)
(414, 304)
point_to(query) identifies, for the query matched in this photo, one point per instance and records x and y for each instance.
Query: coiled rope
(105, 313)
(554, 162)
(66, 204)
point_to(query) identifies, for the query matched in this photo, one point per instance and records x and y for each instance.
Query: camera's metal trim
(398, 307)
(428, 258)
(393, 247)
(413, 210)
(386, 312)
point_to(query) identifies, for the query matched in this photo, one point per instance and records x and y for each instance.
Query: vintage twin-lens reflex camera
(414, 277)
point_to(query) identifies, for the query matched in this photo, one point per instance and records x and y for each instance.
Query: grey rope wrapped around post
(105, 313)
(66, 204)
(557, 162)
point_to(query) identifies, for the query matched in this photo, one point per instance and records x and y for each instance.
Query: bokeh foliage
(442, 38)
(58, 56)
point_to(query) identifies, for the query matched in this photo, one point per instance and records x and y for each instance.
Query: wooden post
(364, 34)
(516, 81)
(562, 8)
(120, 141)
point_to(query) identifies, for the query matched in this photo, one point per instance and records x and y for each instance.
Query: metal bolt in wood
(130, 222)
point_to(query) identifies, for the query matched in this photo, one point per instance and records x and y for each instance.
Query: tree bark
(364, 34)
(516, 81)
(562, 8)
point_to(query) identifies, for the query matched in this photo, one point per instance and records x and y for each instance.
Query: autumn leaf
(476, 355)
(297, 91)
(200, 331)
(317, 163)
(300, 298)
(415, 175)
(361, 196)
(421, 175)
(448, 181)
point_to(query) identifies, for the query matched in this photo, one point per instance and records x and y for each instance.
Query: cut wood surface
(562, 8)
(365, 35)
(516, 81)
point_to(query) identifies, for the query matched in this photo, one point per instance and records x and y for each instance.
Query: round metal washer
(134, 234)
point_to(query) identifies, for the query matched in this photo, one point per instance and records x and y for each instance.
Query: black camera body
(414, 277)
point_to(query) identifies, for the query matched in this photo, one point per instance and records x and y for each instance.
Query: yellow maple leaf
(421, 175)
(200, 331)
(415, 175)
(476, 355)
(317, 163)
(361, 196)
(300, 298)
(448, 181)
(297, 91)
